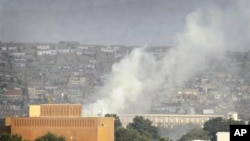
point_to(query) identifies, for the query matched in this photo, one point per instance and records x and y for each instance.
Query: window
(77, 122)
(14, 122)
(81, 122)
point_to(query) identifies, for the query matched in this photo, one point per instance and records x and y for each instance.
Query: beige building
(170, 120)
(223, 136)
(63, 120)
(77, 80)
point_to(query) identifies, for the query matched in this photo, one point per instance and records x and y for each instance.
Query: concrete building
(63, 120)
(223, 136)
(46, 50)
(77, 80)
(14, 94)
(170, 120)
(232, 115)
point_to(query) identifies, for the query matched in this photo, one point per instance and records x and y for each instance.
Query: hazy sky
(134, 22)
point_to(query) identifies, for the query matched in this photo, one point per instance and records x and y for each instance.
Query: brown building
(63, 120)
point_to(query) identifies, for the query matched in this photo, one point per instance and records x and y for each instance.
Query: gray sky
(133, 22)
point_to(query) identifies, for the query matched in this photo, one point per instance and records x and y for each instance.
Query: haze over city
(184, 58)
(133, 22)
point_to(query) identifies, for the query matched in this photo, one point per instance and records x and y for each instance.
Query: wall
(105, 129)
(57, 110)
(34, 111)
(77, 129)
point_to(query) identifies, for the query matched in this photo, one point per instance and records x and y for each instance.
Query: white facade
(18, 54)
(107, 49)
(170, 120)
(77, 80)
(43, 47)
(232, 115)
(223, 136)
(208, 111)
(45, 50)
(35, 93)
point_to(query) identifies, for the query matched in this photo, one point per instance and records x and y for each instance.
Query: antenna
(99, 113)
(50, 99)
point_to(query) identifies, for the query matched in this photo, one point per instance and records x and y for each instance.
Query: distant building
(107, 49)
(77, 80)
(171, 120)
(63, 120)
(232, 115)
(208, 111)
(46, 50)
(35, 93)
(15, 94)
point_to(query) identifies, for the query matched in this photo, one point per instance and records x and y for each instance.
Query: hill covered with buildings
(70, 72)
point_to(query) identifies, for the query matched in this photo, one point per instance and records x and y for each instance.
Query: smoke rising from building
(140, 77)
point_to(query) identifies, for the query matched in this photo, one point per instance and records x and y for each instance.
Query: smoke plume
(138, 79)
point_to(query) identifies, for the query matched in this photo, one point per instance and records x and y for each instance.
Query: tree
(177, 131)
(50, 137)
(165, 139)
(123, 134)
(9, 137)
(219, 124)
(195, 134)
(118, 122)
(144, 127)
(139, 130)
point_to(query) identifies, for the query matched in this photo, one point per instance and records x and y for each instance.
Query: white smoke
(137, 78)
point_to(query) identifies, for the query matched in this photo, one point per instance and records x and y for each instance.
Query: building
(46, 50)
(63, 120)
(14, 94)
(223, 136)
(232, 115)
(170, 120)
(77, 80)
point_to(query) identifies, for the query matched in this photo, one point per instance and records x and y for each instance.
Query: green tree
(165, 139)
(50, 137)
(9, 137)
(144, 127)
(139, 130)
(123, 134)
(219, 124)
(194, 134)
(118, 122)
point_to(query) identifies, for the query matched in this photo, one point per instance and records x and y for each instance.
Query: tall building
(63, 120)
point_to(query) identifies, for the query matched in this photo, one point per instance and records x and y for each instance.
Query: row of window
(174, 119)
(55, 122)
(60, 111)
(179, 119)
